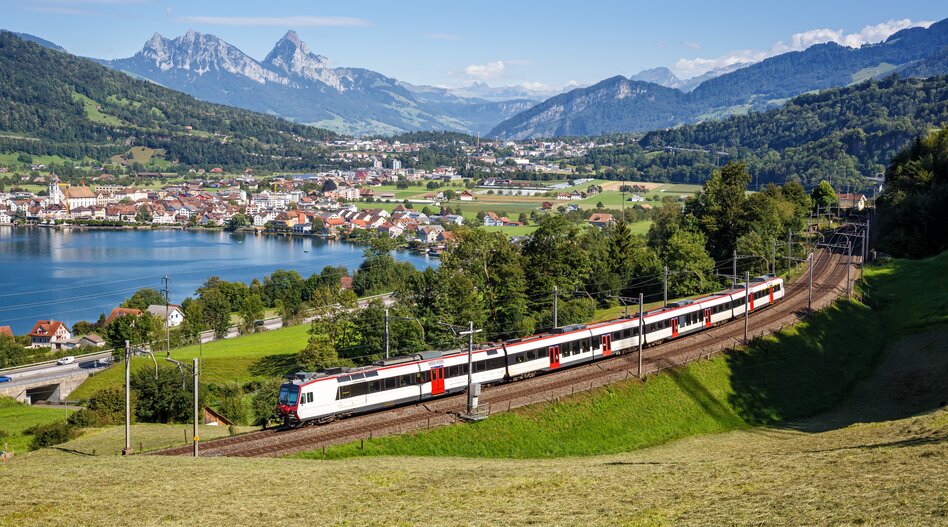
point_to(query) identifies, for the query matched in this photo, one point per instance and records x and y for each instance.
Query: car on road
(105, 361)
(4, 378)
(69, 359)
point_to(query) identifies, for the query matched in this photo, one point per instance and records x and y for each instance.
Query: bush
(105, 407)
(264, 400)
(50, 434)
(230, 402)
(84, 418)
(163, 400)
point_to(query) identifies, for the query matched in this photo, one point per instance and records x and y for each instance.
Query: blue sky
(543, 43)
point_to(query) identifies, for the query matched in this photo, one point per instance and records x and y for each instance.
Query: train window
(391, 383)
(480, 366)
(520, 358)
(404, 380)
(309, 397)
(375, 386)
(344, 392)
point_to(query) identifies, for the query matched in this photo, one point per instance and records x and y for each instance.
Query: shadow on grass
(807, 370)
(697, 392)
(274, 365)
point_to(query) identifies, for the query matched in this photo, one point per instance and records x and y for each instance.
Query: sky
(548, 44)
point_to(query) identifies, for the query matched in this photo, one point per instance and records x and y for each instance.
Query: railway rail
(829, 281)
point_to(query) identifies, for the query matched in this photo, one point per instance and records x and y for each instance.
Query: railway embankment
(853, 361)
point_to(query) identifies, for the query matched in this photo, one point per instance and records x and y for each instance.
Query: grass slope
(805, 370)
(880, 474)
(259, 355)
(15, 417)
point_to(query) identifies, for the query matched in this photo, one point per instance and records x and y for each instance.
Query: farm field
(15, 417)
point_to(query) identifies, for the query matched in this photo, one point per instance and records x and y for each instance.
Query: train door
(707, 317)
(771, 294)
(437, 380)
(606, 345)
(751, 299)
(554, 356)
(674, 327)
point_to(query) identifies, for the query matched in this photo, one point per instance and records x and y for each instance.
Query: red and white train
(338, 392)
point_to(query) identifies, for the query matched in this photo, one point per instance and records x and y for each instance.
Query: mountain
(72, 107)
(617, 103)
(661, 76)
(33, 38)
(758, 86)
(296, 83)
(485, 91)
(841, 135)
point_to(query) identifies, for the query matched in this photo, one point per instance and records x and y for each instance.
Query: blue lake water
(72, 275)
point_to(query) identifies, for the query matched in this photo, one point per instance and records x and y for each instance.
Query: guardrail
(52, 362)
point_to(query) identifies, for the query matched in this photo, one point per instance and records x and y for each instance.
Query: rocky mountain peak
(291, 56)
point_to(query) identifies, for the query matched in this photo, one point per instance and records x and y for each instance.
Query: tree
(237, 221)
(719, 208)
(319, 353)
(137, 330)
(163, 400)
(216, 311)
(144, 298)
(552, 259)
(329, 185)
(686, 253)
(264, 399)
(143, 215)
(11, 353)
(823, 196)
(251, 310)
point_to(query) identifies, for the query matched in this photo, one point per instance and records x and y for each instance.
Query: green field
(15, 417)
(260, 355)
(804, 370)
(94, 114)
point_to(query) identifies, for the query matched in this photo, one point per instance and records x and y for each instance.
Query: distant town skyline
(541, 45)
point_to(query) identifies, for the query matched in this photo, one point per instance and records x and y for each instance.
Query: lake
(76, 274)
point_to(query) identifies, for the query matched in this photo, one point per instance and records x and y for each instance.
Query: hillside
(839, 135)
(872, 460)
(766, 84)
(64, 105)
(296, 83)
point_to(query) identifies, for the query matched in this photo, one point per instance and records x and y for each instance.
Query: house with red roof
(49, 334)
(121, 312)
(6, 330)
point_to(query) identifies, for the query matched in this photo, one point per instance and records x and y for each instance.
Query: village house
(492, 220)
(852, 201)
(49, 334)
(121, 312)
(174, 314)
(466, 196)
(601, 220)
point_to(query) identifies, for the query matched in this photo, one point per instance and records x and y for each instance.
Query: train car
(616, 336)
(565, 346)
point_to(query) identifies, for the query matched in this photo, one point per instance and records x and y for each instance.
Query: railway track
(829, 275)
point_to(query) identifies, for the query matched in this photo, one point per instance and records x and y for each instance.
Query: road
(52, 372)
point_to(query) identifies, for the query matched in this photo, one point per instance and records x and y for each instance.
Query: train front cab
(288, 403)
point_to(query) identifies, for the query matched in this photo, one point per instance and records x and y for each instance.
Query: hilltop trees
(823, 195)
(912, 209)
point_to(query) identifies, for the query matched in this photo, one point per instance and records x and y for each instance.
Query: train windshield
(289, 394)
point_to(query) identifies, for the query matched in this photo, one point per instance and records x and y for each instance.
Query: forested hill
(56, 103)
(839, 135)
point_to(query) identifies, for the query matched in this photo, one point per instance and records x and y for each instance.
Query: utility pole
(773, 257)
(809, 294)
(386, 333)
(865, 243)
(556, 295)
(734, 269)
(194, 369)
(167, 281)
(789, 251)
(641, 327)
(470, 351)
(665, 293)
(128, 401)
(746, 303)
(849, 259)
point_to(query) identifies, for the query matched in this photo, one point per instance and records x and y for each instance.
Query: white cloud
(278, 21)
(485, 71)
(692, 45)
(443, 36)
(686, 68)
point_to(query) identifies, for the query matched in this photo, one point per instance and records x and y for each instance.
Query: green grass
(267, 354)
(109, 441)
(15, 417)
(94, 114)
(523, 230)
(804, 370)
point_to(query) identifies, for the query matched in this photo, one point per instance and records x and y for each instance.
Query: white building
(396, 164)
(175, 316)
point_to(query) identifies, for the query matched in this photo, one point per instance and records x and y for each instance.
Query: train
(320, 397)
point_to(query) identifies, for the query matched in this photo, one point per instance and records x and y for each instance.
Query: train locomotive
(319, 397)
